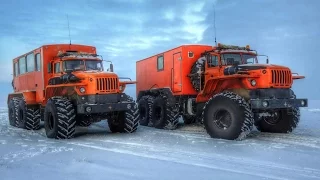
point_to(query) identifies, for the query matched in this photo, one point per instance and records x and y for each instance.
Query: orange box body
(34, 81)
(176, 66)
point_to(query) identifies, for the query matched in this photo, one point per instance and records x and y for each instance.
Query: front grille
(107, 84)
(281, 77)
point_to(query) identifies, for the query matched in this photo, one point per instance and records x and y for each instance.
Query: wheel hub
(273, 118)
(222, 119)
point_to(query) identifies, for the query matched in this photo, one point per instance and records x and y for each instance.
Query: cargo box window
(22, 65)
(57, 68)
(160, 63)
(30, 62)
(38, 61)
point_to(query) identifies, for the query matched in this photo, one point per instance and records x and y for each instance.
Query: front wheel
(59, 118)
(281, 121)
(125, 121)
(227, 116)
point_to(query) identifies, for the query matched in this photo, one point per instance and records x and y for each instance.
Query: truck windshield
(82, 65)
(236, 59)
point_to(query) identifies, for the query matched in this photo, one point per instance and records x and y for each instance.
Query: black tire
(13, 109)
(84, 120)
(150, 104)
(163, 115)
(286, 121)
(59, 118)
(125, 121)
(28, 117)
(144, 111)
(236, 109)
(188, 119)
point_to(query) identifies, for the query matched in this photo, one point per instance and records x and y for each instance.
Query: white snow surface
(187, 153)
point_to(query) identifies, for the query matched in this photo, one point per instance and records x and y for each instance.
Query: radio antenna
(69, 29)
(214, 24)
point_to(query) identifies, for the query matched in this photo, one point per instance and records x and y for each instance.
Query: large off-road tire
(284, 121)
(125, 121)
(189, 119)
(163, 115)
(83, 120)
(13, 109)
(59, 118)
(28, 117)
(145, 109)
(228, 116)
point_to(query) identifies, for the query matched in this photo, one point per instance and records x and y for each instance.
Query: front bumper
(277, 103)
(104, 108)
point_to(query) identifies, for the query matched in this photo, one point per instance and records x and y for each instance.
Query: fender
(220, 84)
(28, 96)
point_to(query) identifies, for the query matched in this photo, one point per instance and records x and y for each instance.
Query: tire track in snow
(171, 159)
(239, 165)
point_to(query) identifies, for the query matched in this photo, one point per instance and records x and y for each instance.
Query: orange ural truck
(65, 85)
(223, 87)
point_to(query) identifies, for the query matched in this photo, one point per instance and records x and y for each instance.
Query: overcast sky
(125, 31)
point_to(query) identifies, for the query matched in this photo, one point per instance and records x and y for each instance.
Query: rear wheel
(163, 115)
(13, 109)
(228, 116)
(59, 118)
(28, 117)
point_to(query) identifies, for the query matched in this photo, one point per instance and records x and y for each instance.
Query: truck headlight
(253, 82)
(265, 104)
(88, 109)
(82, 90)
(303, 103)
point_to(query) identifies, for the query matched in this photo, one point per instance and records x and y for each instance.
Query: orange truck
(224, 87)
(65, 86)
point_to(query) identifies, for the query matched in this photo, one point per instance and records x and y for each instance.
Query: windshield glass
(84, 65)
(236, 59)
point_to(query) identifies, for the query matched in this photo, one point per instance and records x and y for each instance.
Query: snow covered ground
(186, 153)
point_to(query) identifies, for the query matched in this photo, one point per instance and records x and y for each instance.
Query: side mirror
(111, 67)
(267, 60)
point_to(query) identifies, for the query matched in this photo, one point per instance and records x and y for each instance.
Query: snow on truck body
(65, 86)
(225, 82)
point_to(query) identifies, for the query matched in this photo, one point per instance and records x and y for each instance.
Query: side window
(57, 68)
(160, 63)
(38, 62)
(16, 69)
(213, 61)
(30, 62)
(22, 65)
